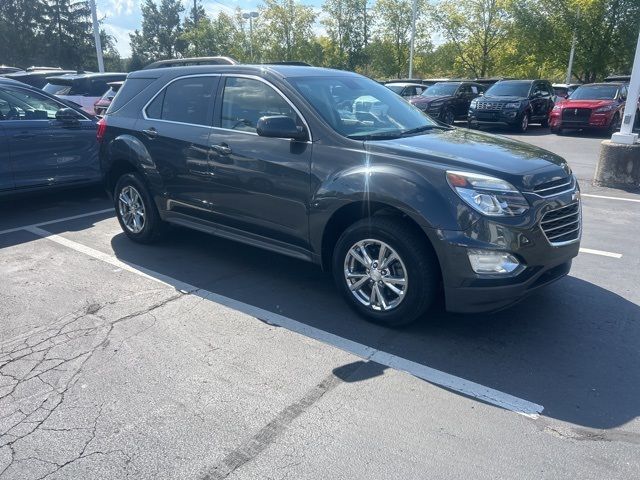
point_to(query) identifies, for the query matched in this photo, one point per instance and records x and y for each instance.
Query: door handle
(150, 132)
(222, 149)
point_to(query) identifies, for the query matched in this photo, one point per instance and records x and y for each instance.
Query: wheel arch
(124, 154)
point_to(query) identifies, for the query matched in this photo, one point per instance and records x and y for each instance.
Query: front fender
(431, 205)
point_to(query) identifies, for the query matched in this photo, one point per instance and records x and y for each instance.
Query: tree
(285, 30)
(477, 29)
(161, 31)
(21, 32)
(69, 33)
(223, 35)
(346, 22)
(392, 32)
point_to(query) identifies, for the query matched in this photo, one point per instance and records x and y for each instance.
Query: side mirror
(280, 126)
(67, 115)
(481, 94)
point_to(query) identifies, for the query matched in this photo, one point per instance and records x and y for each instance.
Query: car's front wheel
(523, 125)
(448, 117)
(136, 212)
(386, 270)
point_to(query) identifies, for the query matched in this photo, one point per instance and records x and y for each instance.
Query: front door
(261, 185)
(6, 172)
(175, 132)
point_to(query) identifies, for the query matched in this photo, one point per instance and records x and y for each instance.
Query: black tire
(523, 124)
(556, 130)
(614, 126)
(416, 254)
(545, 123)
(448, 117)
(152, 227)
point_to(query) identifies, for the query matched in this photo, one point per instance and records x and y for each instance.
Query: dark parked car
(44, 142)
(448, 101)
(596, 106)
(405, 89)
(36, 78)
(513, 103)
(85, 89)
(4, 69)
(331, 167)
(563, 90)
(101, 105)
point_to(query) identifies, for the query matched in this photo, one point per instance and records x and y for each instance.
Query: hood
(423, 100)
(505, 99)
(585, 103)
(521, 164)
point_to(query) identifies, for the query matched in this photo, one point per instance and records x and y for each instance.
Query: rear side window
(188, 100)
(130, 88)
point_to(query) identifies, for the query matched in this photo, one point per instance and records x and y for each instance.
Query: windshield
(56, 89)
(360, 108)
(440, 89)
(509, 89)
(395, 88)
(594, 92)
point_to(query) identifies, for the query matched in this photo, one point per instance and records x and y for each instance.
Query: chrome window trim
(278, 91)
(146, 105)
(225, 75)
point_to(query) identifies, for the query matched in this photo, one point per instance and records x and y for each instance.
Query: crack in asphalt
(36, 375)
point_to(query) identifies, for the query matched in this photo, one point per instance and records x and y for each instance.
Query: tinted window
(441, 89)
(474, 89)
(509, 89)
(395, 88)
(595, 92)
(20, 104)
(245, 101)
(358, 107)
(57, 89)
(187, 100)
(130, 88)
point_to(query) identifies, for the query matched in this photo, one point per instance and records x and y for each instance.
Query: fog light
(492, 261)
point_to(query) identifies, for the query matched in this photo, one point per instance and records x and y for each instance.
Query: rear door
(261, 185)
(175, 129)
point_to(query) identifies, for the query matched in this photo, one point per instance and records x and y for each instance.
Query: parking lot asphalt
(201, 358)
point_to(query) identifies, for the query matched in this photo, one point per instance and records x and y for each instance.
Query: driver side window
(23, 104)
(245, 101)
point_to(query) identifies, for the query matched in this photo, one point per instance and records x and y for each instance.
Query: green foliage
(161, 32)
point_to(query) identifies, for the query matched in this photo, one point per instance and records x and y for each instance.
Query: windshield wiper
(423, 128)
(375, 136)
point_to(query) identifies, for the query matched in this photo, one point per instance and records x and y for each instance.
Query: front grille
(576, 115)
(554, 187)
(489, 106)
(562, 225)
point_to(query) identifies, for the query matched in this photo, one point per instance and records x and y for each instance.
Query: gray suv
(331, 167)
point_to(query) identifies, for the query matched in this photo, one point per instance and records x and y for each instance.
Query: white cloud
(122, 39)
(122, 6)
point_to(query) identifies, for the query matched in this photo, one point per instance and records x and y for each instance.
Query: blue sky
(121, 17)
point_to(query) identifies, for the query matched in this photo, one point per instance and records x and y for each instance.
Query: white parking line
(601, 252)
(590, 195)
(57, 220)
(452, 382)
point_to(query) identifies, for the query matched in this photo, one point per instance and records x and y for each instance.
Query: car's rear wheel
(386, 271)
(448, 117)
(136, 212)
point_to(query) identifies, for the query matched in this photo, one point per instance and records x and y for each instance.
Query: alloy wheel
(376, 275)
(525, 123)
(131, 209)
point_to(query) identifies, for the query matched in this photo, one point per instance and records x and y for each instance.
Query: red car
(100, 107)
(591, 106)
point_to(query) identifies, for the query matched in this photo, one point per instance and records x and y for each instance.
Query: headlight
(473, 103)
(606, 108)
(512, 105)
(488, 195)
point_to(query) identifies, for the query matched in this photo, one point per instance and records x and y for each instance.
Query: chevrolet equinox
(331, 167)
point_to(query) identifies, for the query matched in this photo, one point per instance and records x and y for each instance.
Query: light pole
(96, 35)
(625, 135)
(413, 36)
(573, 50)
(250, 16)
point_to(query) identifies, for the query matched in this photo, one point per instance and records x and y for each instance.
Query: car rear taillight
(102, 129)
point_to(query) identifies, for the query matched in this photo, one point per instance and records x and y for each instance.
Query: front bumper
(541, 262)
(498, 117)
(595, 121)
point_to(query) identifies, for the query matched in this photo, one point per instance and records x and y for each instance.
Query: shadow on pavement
(573, 347)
